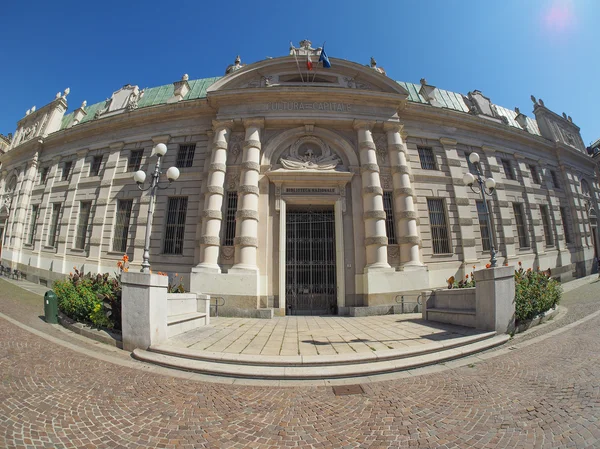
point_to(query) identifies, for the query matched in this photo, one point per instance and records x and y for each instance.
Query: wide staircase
(318, 367)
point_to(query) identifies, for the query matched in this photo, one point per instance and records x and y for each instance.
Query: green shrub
(95, 299)
(535, 293)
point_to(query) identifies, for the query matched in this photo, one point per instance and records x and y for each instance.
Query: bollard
(51, 307)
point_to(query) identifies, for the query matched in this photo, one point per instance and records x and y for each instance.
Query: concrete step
(177, 306)
(310, 368)
(178, 324)
(460, 317)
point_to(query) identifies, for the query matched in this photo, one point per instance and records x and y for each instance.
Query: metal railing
(219, 302)
(418, 302)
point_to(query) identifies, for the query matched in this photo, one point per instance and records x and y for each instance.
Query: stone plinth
(495, 299)
(144, 310)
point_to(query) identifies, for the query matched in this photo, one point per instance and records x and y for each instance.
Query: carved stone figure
(237, 65)
(304, 49)
(310, 153)
(374, 66)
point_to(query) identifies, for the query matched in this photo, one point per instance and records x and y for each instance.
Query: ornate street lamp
(139, 177)
(486, 188)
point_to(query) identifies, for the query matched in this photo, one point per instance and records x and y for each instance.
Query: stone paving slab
(317, 335)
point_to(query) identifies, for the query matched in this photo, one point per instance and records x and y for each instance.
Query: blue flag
(324, 58)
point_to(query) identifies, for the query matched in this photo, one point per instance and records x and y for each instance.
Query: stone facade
(379, 155)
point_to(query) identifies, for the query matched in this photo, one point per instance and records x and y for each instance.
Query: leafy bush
(535, 293)
(91, 298)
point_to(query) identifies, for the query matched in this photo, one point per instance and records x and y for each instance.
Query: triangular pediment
(290, 73)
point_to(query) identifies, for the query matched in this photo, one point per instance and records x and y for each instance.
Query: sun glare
(559, 17)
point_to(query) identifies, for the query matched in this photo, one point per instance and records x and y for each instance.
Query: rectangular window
(54, 227)
(135, 160)
(439, 226)
(388, 207)
(44, 175)
(521, 229)
(546, 223)
(175, 229)
(95, 166)
(35, 212)
(185, 155)
(82, 226)
(566, 226)
(67, 170)
(229, 235)
(508, 169)
(535, 176)
(482, 215)
(472, 168)
(122, 225)
(555, 182)
(427, 158)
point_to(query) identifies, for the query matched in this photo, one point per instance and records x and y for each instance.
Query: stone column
(404, 207)
(213, 199)
(463, 203)
(373, 212)
(23, 201)
(246, 240)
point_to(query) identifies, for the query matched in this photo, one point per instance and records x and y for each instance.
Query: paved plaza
(59, 390)
(315, 335)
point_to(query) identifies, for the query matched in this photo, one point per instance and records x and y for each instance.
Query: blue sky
(507, 49)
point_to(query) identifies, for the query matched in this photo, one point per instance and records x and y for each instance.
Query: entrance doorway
(310, 276)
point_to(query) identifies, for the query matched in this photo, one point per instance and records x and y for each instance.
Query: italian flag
(309, 64)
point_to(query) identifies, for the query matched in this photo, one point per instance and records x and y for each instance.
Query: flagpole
(298, 65)
(322, 48)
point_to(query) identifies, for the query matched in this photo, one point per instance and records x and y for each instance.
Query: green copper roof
(154, 96)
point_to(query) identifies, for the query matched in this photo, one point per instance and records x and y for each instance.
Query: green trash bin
(51, 307)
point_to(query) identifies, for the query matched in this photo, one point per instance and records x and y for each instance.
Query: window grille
(232, 200)
(67, 170)
(482, 215)
(44, 175)
(388, 207)
(439, 226)
(35, 212)
(175, 228)
(521, 230)
(135, 160)
(427, 158)
(185, 155)
(566, 225)
(508, 169)
(555, 182)
(122, 225)
(95, 167)
(82, 227)
(535, 176)
(54, 227)
(546, 223)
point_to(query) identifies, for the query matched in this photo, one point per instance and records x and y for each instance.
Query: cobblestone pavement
(546, 394)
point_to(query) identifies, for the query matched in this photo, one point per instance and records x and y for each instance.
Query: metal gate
(310, 262)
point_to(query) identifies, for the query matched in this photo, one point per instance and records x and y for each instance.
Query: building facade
(300, 192)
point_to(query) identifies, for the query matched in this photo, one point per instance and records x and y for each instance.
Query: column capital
(258, 122)
(363, 124)
(448, 142)
(161, 139)
(221, 124)
(393, 127)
